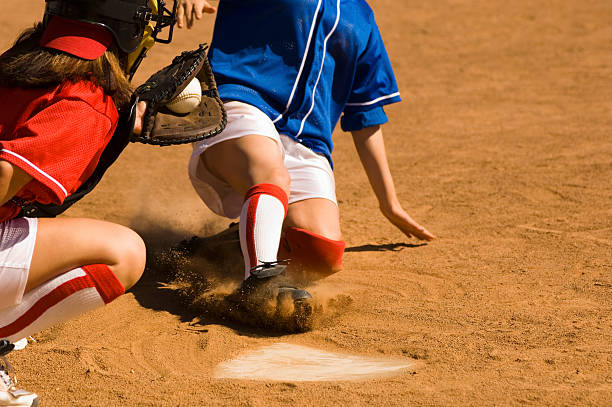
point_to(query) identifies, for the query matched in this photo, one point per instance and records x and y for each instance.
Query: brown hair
(28, 65)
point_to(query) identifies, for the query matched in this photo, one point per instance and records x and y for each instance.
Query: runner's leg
(253, 166)
(312, 239)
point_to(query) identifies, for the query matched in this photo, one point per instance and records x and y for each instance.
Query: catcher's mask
(127, 20)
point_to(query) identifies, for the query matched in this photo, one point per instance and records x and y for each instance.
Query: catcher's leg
(63, 244)
(76, 265)
(312, 239)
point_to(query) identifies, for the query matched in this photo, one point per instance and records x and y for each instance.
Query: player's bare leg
(91, 263)
(89, 266)
(83, 242)
(317, 215)
(247, 161)
(253, 166)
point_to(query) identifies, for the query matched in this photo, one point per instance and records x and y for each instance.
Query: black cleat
(268, 296)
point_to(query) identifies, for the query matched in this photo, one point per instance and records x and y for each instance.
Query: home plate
(285, 362)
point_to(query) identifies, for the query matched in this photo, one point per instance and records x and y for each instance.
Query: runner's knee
(280, 177)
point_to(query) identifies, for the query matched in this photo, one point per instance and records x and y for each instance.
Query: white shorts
(311, 175)
(17, 239)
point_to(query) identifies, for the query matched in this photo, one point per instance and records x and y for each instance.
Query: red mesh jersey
(56, 136)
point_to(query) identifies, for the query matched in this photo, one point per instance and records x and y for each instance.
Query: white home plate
(285, 362)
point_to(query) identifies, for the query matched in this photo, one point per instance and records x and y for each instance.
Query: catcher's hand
(163, 127)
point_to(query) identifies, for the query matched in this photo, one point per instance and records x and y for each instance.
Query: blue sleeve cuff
(360, 120)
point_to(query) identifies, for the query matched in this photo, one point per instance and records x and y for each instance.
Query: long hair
(28, 65)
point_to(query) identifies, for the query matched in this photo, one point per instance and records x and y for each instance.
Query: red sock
(312, 256)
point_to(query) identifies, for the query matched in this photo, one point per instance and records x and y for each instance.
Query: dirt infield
(501, 147)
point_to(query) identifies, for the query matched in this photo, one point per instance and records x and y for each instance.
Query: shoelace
(261, 268)
(7, 374)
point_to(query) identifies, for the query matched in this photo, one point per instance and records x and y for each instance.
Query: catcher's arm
(141, 107)
(150, 122)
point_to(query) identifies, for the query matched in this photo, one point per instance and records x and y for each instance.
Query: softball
(188, 99)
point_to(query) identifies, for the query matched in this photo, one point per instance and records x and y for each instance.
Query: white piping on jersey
(314, 89)
(371, 102)
(31, 164)
(312, 26)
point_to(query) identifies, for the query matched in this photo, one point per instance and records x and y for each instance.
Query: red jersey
(56, 136)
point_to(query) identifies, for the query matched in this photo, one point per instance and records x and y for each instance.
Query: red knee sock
(312, 256)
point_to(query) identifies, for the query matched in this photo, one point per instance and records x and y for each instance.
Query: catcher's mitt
(160, 126)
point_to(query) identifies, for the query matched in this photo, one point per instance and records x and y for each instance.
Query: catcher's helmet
(125, 19)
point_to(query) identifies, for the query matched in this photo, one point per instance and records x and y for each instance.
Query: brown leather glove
(161, 126)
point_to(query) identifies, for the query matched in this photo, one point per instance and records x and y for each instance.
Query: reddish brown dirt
(501, 147)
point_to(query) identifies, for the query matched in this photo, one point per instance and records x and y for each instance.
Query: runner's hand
(191, 10)
(398, 217)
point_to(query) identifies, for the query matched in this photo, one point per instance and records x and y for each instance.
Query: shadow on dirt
(389, 247)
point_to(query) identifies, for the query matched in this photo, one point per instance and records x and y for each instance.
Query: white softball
(188, 99)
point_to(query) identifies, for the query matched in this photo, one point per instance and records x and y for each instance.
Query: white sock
(60, 299)
(261, 222)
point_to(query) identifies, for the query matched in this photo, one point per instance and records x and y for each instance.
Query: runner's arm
(371, 149)
(191, 10)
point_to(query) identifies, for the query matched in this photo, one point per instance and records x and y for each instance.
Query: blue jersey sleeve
(360, 120)
(374, 85)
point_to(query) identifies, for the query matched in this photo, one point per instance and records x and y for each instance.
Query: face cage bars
(164, 18)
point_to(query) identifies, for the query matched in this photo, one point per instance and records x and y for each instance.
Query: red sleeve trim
(35, 172)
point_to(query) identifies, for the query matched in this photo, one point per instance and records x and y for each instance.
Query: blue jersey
(304, 63)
